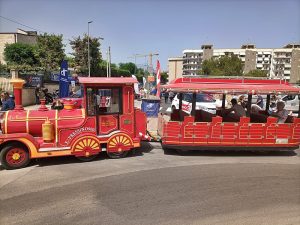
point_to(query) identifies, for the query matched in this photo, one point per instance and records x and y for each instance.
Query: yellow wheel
(86, 147)
(118, 145)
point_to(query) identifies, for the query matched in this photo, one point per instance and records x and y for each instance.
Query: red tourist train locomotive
(107, 122)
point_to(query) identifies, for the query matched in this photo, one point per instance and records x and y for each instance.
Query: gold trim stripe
(83, 112)
(6, 116)
(27, 125)
(56, 127)
(46, 118)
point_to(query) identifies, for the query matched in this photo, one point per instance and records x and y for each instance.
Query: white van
(205, 102)
(291, 102)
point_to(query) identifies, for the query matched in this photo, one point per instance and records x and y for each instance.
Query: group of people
(168, 95)
(238, 109)
(7, 102)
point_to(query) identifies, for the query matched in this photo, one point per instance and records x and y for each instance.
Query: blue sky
(167, 27)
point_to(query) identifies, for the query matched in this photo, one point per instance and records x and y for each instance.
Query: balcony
(190, 63)
(192, 58)
(282, 56)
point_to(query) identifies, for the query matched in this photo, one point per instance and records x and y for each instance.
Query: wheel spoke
(21, 154)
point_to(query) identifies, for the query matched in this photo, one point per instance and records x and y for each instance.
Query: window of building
(103, 101)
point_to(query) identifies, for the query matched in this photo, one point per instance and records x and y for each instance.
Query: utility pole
(150, 65)
(109, 55)
(150, 62)
(107, 64)
(89, 59)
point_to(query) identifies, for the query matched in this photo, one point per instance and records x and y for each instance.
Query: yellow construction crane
(150, 58)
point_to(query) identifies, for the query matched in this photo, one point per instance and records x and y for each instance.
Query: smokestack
(18, 85)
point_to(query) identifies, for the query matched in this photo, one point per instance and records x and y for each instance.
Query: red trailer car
(203, 131)
(107, 122)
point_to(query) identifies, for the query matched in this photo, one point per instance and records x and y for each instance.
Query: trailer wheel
(117, 155)
(14, 156)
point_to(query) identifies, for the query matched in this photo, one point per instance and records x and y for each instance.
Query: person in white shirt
(280, 113)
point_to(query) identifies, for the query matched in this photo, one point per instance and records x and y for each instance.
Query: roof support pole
(268, 102)
(223, 101)
(180, 101)
(180, 106)
(299, 107)
(249, 104)
(193, 112)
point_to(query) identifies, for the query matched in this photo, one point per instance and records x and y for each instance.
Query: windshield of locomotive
(103, 101)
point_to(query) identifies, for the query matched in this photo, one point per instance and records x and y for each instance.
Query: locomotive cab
(107, 122)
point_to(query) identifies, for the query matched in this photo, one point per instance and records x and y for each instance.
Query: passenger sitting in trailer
(281, 113)
(234, 113)
(242, 101)
(255, 108)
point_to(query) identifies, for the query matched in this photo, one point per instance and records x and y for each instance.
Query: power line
(14, 21)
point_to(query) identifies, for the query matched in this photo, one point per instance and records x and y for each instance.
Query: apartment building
(175, 66)
(21, 36)
(279, 63)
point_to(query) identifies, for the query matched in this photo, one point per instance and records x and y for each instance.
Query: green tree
(229, 65)
(115, 70)
(4, 69)
(257, 73)
(50, 51)
(164, 77)
(80, 48)
(20, 55)
(131, 67)
(71, 62)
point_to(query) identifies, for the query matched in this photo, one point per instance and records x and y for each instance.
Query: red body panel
(67, 134)
(140, 123)
(108, 124)
(244, 133)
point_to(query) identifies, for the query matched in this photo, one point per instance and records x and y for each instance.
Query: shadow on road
(229, 153)
(42, 162)
(146, 147)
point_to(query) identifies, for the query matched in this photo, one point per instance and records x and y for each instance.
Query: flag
(136, 85)
(158, 79)
(144, 82)
(64, 80)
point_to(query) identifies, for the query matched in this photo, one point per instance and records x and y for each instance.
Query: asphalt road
(153, 187)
